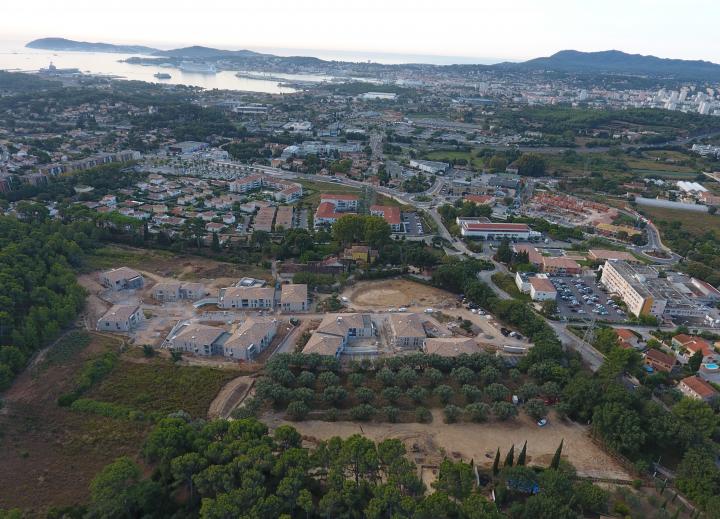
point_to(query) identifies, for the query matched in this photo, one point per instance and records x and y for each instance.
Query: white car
(542, 422)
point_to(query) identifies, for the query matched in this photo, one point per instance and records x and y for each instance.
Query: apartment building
(496, 231)
(199, 339)
(336, 331)
(391, 214)
(121, 318)
(246, 297)
(122, 278)
(342, 203)
(294, 298)
(451, 346)
(169, 291)
(407, 331)
(542, 289)
(251, 338)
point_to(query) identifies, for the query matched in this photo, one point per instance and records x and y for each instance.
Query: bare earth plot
(429, 443)
(398, 293)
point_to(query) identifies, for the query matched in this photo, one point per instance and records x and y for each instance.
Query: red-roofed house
(697, 388)
(391, 214)
(659, 360)
(627, 338)
(692, 344)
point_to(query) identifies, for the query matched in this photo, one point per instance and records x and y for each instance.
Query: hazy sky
(505, 29)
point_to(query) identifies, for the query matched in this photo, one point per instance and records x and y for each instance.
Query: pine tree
(215, 242)
(510, 457)
(555, 463)
(521, 457)
(496, 463)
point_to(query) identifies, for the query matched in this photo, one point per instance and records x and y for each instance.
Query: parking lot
(413, 224)
(581, 297)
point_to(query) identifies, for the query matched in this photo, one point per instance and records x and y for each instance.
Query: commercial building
(430, 166)
(645, 293)
(541, 289)
(121, 318)
(497, 231)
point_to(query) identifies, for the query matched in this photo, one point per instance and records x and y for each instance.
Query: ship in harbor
(162, 75)
(198, 68)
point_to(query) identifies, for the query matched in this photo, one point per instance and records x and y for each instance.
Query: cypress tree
(510, 457)
(496, 463)
(555, 463)
(521, 457)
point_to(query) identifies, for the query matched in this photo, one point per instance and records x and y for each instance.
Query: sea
(14, 56)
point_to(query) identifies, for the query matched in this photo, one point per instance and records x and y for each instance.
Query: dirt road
(230, 397)
(429, 443)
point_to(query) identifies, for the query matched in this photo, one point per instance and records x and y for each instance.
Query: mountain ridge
(567, 61)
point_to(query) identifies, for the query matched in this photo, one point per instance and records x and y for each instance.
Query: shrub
(306, 379)
(417, 394)
(406, 377)
(452, 413)
(444, 393)
(328, 378)
(297, 410)
(362, 412)
(497, 392)
(391, 413)
(434, 376)
(477, 412)
(535, 408)
(334, 394)
(356, 379)
(423, 415)
(386, 376)
(504, 410)
(463, 375)
(392, 394)
(365, 395)
(472, 393)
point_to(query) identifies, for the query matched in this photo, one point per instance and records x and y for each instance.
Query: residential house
(659, 361)
(627, 339)
(696, 388)
(342, 203)
(361, 254)
(690, 344)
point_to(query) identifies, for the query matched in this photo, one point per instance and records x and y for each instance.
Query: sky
(485, 31)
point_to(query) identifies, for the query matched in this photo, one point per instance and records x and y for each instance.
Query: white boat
(198, 68)
(162, 75)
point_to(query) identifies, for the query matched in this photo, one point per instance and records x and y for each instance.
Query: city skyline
(462, 30)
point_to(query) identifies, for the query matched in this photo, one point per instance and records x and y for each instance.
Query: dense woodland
(40, 296)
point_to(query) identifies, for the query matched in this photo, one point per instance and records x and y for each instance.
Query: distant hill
(618, 62)
(63, 44)
(206, 53)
